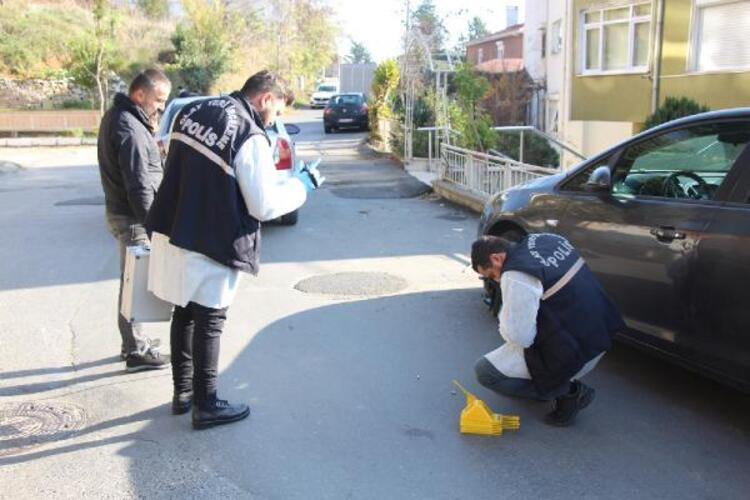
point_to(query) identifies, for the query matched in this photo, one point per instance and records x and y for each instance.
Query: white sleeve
(521, 294)
(265, 195)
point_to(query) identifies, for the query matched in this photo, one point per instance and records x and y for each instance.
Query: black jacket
(129, 160)
(199, 205)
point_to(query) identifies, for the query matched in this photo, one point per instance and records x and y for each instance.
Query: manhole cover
(29, 424)
(94, 200)
(352, 284)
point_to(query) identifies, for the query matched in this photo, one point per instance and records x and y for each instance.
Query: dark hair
(148, 80)
(266, 81)
(485, 246)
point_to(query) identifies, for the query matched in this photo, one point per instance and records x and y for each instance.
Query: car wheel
(290, 219)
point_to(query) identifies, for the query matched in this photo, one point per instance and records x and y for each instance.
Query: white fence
(485, 174)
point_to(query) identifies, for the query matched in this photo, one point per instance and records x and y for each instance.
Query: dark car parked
(663, 219)
(345, 111)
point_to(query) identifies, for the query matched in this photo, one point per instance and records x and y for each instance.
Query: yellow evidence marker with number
(478, 418)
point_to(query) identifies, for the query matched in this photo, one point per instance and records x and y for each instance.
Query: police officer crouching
(556, 319)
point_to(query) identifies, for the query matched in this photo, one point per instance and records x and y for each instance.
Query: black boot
(218, 412)
(181, 402)
(567, 407)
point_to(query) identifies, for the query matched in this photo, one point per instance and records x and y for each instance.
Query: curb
(30, 142)
(460, 195)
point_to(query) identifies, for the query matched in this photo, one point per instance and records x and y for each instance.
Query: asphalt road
(345, 347)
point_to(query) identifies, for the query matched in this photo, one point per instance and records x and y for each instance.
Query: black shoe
(567, 407)
(218, 412)
(181, 402)
(149, 360)
(152, 344)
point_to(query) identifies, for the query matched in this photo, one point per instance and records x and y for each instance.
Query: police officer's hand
(310, 176)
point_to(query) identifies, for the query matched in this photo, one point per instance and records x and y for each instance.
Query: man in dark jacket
(131, 171)
(556, 320)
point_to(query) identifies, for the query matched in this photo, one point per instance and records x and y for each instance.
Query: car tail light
(328, 111)
(285, 155)
(363, 109)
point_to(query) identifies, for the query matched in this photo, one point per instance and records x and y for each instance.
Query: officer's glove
(310, 176)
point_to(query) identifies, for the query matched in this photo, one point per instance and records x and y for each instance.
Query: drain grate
(25, 425)
(352, 284)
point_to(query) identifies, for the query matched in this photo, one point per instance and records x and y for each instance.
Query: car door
(721, 307)
(642, 236)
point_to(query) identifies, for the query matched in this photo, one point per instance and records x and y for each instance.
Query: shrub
(673, 108)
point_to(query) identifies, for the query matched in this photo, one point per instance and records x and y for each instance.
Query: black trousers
(194, 341)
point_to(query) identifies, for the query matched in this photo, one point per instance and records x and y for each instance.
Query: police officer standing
(556, 320)
(131, 170)
(220, 182)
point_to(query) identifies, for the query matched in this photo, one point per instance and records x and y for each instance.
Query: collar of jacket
(124, 103)
(242, 98)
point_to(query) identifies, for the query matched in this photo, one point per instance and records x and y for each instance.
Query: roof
(516, 29)
(509, 65)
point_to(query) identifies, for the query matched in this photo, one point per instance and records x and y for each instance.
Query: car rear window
(346, 99)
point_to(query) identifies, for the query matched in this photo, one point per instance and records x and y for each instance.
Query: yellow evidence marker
(478, 418)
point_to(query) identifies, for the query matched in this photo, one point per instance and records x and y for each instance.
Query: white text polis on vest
(563, 250)
(206, 134)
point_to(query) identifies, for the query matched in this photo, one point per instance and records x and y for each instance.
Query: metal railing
(485, 174)
(533, 130)
(441, 135)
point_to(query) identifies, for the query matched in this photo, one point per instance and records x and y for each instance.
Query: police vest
(576, 319)
(199, 205)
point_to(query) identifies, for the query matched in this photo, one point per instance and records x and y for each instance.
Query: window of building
(544, 43)
(557, 37)
(480, 55)
(720, 35)
(552, 116)
(500, 46)
(616, 39)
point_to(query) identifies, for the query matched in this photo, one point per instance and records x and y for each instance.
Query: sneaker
(181, 402)
(152, 344)
(218, 412)
(149, 360)
(567, 407)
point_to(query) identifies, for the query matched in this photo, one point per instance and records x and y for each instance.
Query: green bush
(76, 104)
(536, 150)
(673, 108)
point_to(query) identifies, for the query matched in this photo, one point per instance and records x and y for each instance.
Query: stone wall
(39, 94)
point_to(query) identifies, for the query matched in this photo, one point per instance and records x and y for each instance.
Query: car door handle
(667, 233)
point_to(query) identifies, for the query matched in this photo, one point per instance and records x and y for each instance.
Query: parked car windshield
(326, 88)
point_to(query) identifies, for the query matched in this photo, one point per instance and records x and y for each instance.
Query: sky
(378, 24)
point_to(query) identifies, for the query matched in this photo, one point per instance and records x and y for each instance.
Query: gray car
(662, 220)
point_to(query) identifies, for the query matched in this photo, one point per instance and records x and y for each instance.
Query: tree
(426, 18)
(477, 29)
(673, 108)
(95, 54)
(467, 114)
(359, 54)
(157, 9)
(205, 44)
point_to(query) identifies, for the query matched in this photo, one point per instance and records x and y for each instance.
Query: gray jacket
(129, 160)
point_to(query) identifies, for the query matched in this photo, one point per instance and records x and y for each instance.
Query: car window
(689, 163)
(326, 88)
(579, 180)
(346, 99)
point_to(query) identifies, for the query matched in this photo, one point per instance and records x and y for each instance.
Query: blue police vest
(576, 319)
(199, 205)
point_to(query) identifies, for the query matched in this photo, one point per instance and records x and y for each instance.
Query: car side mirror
(292, 129)
(600, 180)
